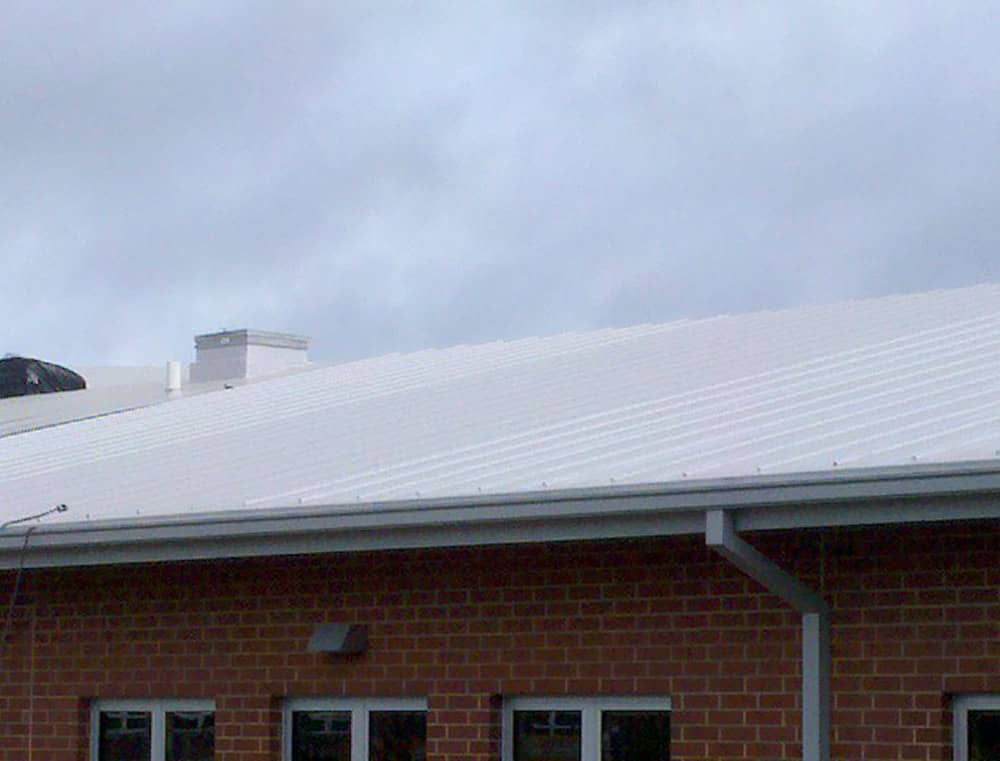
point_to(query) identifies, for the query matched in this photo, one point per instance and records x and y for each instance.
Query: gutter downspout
(721, 536)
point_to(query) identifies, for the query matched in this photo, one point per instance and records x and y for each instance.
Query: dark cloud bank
(391, 176)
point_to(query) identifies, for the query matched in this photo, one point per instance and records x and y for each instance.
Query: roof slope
(893, 381)
(109, 389)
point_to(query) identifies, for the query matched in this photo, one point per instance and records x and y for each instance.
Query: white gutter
(839, 498)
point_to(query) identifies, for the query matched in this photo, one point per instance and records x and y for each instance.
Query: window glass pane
(397, 735)
(124, 736)
(190, 735)
(635, 736)
(984, 735)
(546, 736)
(321, 736)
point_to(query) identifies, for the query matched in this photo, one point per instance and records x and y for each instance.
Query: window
(152, 730)
(977, 727)
(586, 729)
(355, 730)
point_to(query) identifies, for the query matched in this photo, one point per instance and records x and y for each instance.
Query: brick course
(915, 614)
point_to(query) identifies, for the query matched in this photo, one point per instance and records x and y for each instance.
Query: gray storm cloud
(386, 177)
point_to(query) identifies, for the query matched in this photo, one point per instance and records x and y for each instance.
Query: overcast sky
(391, 176)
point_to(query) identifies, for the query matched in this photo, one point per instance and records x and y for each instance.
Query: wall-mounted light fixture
(343, 639)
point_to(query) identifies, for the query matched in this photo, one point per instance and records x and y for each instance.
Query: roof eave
(912, 494)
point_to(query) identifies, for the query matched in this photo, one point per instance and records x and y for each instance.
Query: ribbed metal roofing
(892, 381)
(108, 390)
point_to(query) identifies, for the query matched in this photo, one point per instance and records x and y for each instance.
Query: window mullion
(961, 734)
(590, 733)
(591, 712)
(507, 732)
(158, 727)
(286, 735)
(95, 731)
(359, 732)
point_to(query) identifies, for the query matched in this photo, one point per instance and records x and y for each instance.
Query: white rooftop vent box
(235, 354)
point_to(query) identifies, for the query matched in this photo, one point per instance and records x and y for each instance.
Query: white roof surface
(886, 382)
(109, 389)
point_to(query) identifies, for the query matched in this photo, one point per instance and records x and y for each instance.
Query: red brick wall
(915, 614)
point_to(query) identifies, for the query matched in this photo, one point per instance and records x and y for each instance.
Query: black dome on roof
(22, 376)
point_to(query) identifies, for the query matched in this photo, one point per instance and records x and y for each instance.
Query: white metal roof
(887, 382)
(109, 389)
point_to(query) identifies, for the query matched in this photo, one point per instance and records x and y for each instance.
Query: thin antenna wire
(9, 618)
(36, 516)
(31, 681)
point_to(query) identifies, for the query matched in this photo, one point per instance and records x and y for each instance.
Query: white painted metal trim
(360, 710)
(816, 698)
(960, 708)
(721, 536)
(590, 709)
(889, 496)
(158, 708)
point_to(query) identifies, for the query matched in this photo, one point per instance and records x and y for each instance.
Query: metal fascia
(891, 495)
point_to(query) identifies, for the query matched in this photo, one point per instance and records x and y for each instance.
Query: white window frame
(360, 710)
(960, 708)
(590, 709)
(158, 708)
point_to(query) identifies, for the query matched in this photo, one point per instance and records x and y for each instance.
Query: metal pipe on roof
(173, 376)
